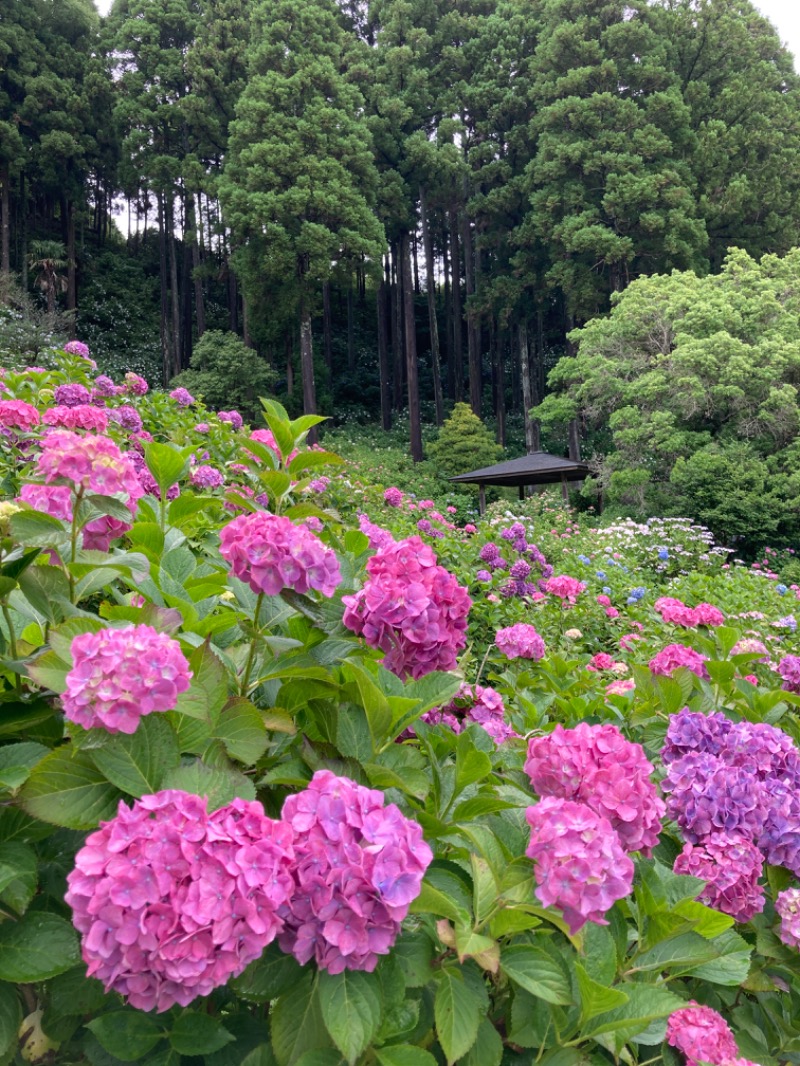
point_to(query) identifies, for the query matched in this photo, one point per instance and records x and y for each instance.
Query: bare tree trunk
(351, 334)
(381, 299)
(473, 334)
(23, 252)
(166, 347)
(5, 224)
(397, 329)
(72, 268)
(191, 226)
(415, 427)
(458, 343)
(500, 384)
(175, 302)
(233, 300)
(327, 331)
(429, 285)
(307, 366)
(289, 365)
(574, 439)
(532, 442)
(447, 338)
(416, 263)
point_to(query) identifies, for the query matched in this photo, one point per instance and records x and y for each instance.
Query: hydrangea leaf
(36, 947)
(352, 1006)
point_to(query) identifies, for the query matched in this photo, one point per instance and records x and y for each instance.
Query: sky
(784, 14)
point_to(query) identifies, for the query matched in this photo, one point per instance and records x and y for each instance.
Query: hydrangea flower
(474, 703)
(359, 863)
(77, 348)
(16, 414)
(206, 477)
(82, 416)
(731, 866)
(271, 553)
(692, 731)
(127, 417)
(104, 386)
(171, 902)
(71, 395)
(520, 641)
(789, 669)
(182, 397)
(92, 462)
(379, 538)
(701, 1034)
(787, 907)
(135, 384)
(580, 866)
(120, 675)
(565, 587)
(780, 839)
(233, 418)
(750, 646)
(410, 608)
(619, 688)
(596, 765)
(601, 661)
(674, 656)
(707, 796)
(393, 497)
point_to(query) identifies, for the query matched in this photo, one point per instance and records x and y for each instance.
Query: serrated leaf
(194, 1033)
(241, 729)
(36, 947)
(10, 1016)
(208, 691)
(431, 901)
(487, 1049)
(270, 976)
(67, 789)
(18, 875)
(457, 1011)
(137, 763)
(352, 1005)
(297, 1022)
(220, 786)
(126, 1034)
(596, 998)
(404, 1055)
(535, 971)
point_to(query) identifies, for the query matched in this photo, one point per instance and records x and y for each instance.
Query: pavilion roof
(537, 468)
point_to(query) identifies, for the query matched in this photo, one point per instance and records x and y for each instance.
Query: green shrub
(464, 443)
(227, 374)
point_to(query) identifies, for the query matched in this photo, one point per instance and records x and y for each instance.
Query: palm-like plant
(46, 259)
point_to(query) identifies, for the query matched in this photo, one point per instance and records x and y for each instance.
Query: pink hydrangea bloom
(202, 427)
(674, 656)
(580, 866)
(604, 601)
(91, 462)
(619, 688)
(55, 500)
(565, 587)
(359, 865)
(709, 615)
(120, 675)
(473, 703)
(731, 867)
(787, 907)
(16, 414)
(469, 529)
(182, 397)
(520, 641)
(83, 416)
(675, 612)
(206, 477)
(601, 661)
(171, 902)
(393, 497)
(233, 418)
(77, 348)
(271, 553)
(701, 1034)
(410, 608)
(379, 538)
(596, 765)
(135, 384)
(750, 646)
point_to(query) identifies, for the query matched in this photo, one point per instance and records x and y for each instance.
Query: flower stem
(12, 641)
(248, 669)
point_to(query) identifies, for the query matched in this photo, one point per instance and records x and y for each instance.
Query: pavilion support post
(522, 492)
(482, 499)
(564, 489)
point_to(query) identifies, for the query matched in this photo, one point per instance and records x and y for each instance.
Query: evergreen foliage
(464, 443)
(225, 374)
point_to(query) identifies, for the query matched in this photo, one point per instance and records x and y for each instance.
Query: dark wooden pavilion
(537, 468)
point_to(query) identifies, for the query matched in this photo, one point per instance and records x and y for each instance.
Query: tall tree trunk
(434, 326)
(289, 365)
(574, 439)
(307, 366)
(248, 340)
(23, 251)
(473, 326)
(416, 264)
(327, 328)
(397, 328)
(500, 384)
(72, 270)
(447, 338)
(166, 347)
(381, 300)
(233, 299)
(532, 442)
(415, 427)
(458, 344)
(351, 329)
(191, 227)
(5, 222)
(175, 302)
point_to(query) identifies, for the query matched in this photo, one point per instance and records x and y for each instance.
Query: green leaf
(67, 789)
(733, 962)
(431, 901)
(414, 951)
(352, 1005)
(208, 691)
(95, 506)
(62, 636)
(220, 786)
(471, 765)
(198, 1034)
(372, 700)
(10, 1017)
(270, 976)
(600, 953)
(17, 761)
(487, 1049)
(297, 1022)
(137, 763)
(596, 998)
(37, 529)
(49, 671)
(535, 971)
(36, 947)
(126, 1034)
(404, 1055)
(241, 729)
(645, 1004)
(166, 463)
(457, 1011)
(708, 922)
(321, 1057)
(18, 875)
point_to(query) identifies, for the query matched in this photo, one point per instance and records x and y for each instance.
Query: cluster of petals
(16, 414)
(233, 418)
(520, 641)
(171, 901)
(206, 477)
(393, 497)
(787, 907)
(73, 394)
(565, 587)
(81, 416)
(789, 670)
(474, 703)
(410, 608)
(674, 656)
(77, 348)
(598, 766)
(136, 384)
(271, 553)
(378, 537)
(104, 386)
(677, 613)
(600, 662)
(750, 646)
(580, 864)
(702, 1035)
(731, 868)
(619, 688)
(359, 864)
(267, 437)
(127, 417)
(120, 675)
(182, 397)
(93, 462)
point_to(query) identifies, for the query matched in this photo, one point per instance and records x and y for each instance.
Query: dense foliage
(296, 770)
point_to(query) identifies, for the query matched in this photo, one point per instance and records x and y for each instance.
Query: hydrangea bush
(298, 769)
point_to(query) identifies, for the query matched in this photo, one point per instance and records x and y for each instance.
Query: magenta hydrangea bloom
(598, 766)
(379, 538)
(120, 675)
(410, 608)
(787, 907)
(127, 417)
(520, 641)
(55, 500)
(104, 386)
(691, 731)
(16, 414)
(135, 384)
(171, 902)
(393, 497)
(271, 553)
(708, 615)
(206, 477)
(701, 1034)
(788, 668)
(474, 703)
(580, 865)
(359, 865)
(233, 418)
(92, 462)
(565, 587)
(72, 394)
(182, 397)
(731, 866)
(708, 796)
(669, 659)
(77, 348)
(82, 416)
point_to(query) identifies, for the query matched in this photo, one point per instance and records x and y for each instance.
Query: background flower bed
(482, 972)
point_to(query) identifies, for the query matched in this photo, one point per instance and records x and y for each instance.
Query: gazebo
(537, 468)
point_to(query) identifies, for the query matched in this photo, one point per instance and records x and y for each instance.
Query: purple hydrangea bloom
(232, 417)
(71, 395)
(182, 397)
(127, 417)
(731, 868)
(206, 477)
